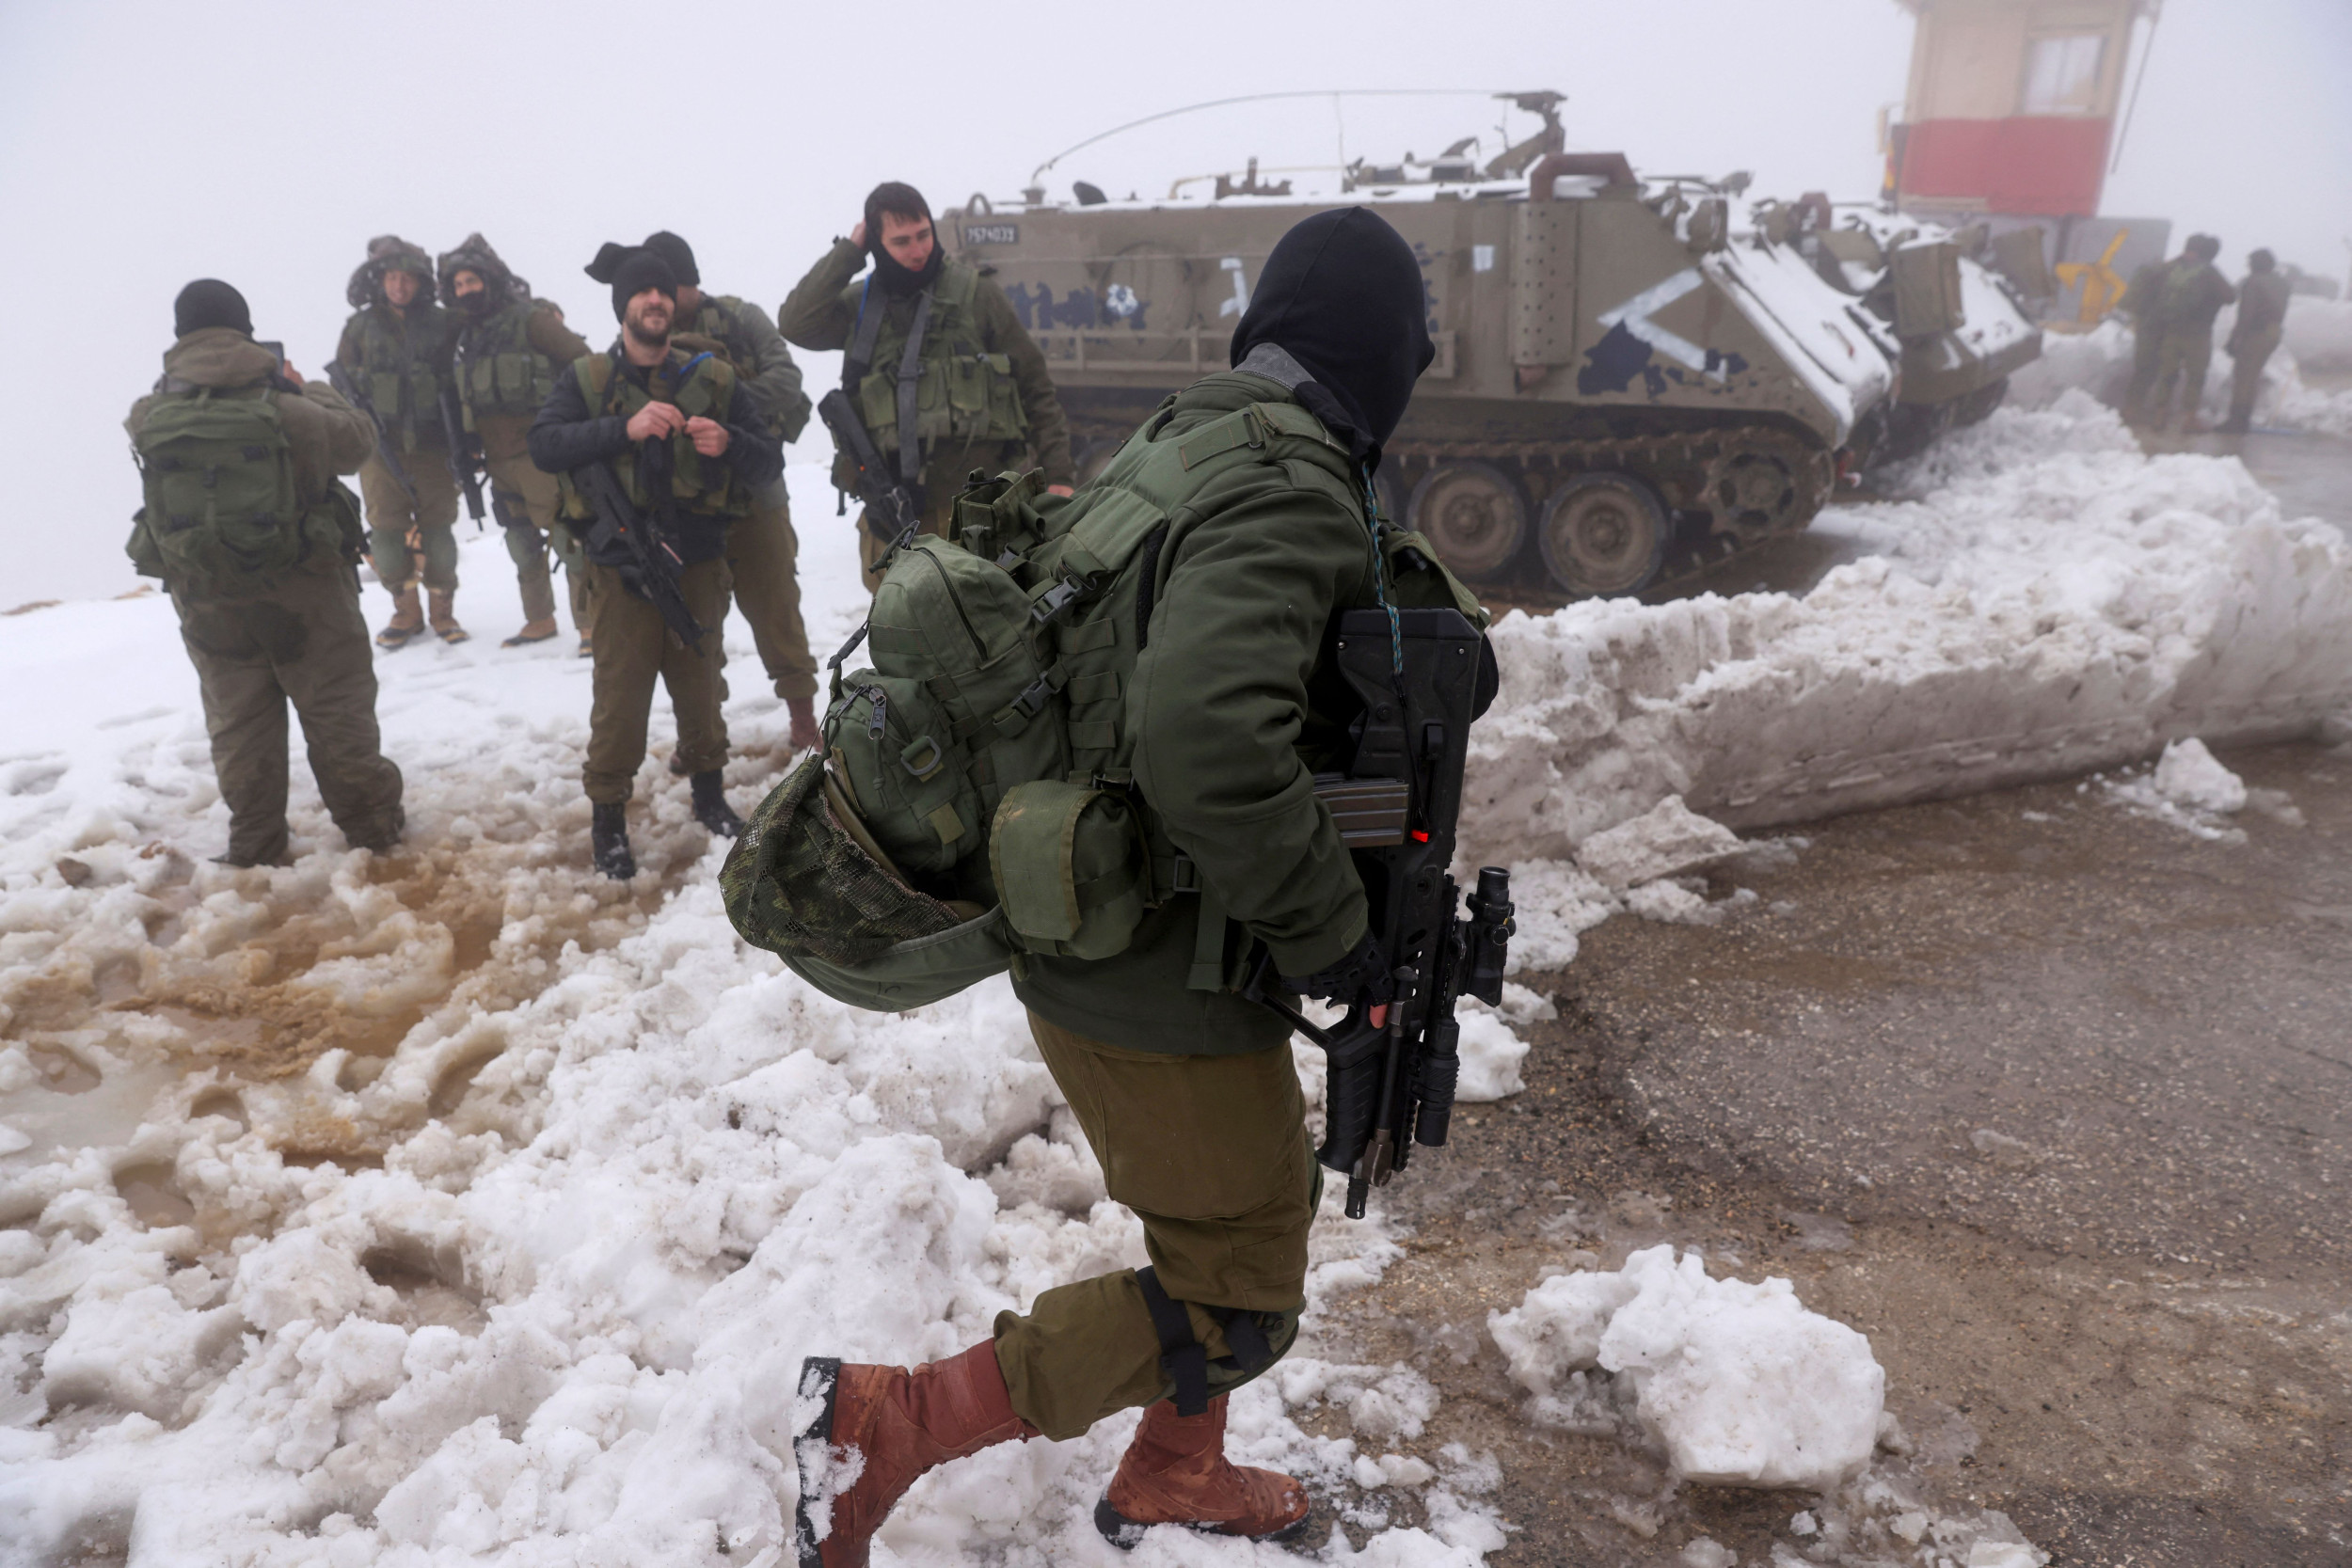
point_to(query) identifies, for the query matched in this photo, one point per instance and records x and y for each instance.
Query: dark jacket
(566, 436)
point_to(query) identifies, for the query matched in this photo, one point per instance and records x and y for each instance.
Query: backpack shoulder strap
(594, 373)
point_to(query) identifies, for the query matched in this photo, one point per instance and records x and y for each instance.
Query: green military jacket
(758, 352)
(986, 399)
(1235, 704)
(506, 365)
(402, 360)
(2194, 294)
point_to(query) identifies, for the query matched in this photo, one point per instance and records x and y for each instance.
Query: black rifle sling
(910, 377)
(1184, 1358)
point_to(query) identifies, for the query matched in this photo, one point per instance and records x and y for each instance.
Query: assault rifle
(892, 511)
(654, 561)
(341, 379)
(1393, 1065)
(466, 464)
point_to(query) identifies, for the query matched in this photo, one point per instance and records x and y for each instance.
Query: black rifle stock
(1393, 1067)
(341, 379)
(892, 513)
(654, 562)
(466, 464)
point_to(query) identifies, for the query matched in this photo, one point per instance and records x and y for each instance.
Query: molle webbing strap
(860, 358)
(910, 382)
(1182, 1357)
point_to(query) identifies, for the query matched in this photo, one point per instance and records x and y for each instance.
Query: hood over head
(1342, 294)
(638, 271)
(474, 254)
(389, 253)
(901, 200)
(209, 302)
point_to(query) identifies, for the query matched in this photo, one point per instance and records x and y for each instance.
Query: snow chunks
(1740, 1383)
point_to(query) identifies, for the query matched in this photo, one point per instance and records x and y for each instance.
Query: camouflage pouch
(806, 882)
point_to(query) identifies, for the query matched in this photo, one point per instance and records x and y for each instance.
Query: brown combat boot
(534, 631)
(1175, 1473)
(444, 617)
(878, 1429)
(407, 618)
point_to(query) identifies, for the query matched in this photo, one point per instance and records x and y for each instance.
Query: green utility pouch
(1069, 863)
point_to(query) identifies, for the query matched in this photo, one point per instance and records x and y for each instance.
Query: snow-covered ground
(463, 1207)
(2317, 338)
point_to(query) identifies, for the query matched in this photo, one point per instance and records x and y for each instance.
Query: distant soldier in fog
(396, 348)
(2194, 292)
(245, 522)
(2142, 301)
(510, 349)
(2262, 314)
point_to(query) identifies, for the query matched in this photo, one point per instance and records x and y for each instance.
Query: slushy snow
(461, 1206)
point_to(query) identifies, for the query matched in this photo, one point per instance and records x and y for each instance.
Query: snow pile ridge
(1740, 1383)
(2189, 774)
(2050, 601)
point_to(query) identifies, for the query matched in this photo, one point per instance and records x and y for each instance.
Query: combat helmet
(474, 254)
(387, 253)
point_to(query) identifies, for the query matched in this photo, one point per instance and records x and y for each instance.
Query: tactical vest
(973, 803)
(962, 392)
(222, 513)
(403, 371)
(498, 369)
(700, 385)
(718, 326)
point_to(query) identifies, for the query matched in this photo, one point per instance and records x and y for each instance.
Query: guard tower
(2012, 106)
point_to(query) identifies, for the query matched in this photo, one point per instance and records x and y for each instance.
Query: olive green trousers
(2181, 365)
(633, 648)
(1211, 1154)
(529, 493)
(763, 557)
(391, 515)
(2246, 373)
(301, 641)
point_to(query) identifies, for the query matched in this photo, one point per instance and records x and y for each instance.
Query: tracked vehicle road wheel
(1475, 514)
(1604, 535)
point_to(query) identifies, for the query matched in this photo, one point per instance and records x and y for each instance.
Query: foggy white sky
(142, 145)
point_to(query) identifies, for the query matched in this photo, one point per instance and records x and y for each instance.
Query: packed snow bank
(1739, 1384)
(2318, 332)
(2050, 601)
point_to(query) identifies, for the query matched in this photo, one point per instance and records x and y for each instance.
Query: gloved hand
(1363, 972)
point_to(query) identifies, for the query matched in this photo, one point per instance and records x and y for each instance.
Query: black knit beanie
(643, 270)
(209, 302)
(678, 253)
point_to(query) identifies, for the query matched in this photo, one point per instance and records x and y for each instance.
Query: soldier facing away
(397, 347)
(1183, 1086)
(2194, 294)
(762, 550)
(2143, 299)
(688, 450)
(510, 348)
(983, 396)
(2262, 316)
(256, 539)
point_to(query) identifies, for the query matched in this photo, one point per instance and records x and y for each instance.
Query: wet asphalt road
(2052, 1100)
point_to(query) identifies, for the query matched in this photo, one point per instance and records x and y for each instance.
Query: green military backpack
(221, 510)
(972, 801)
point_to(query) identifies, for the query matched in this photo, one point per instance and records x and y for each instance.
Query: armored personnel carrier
(1963, 325)
(1625, 391)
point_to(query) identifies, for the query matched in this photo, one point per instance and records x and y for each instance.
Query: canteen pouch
(1068, 860)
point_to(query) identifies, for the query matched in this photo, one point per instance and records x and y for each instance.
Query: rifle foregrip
(1351, 1103)
(1439, 1075)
